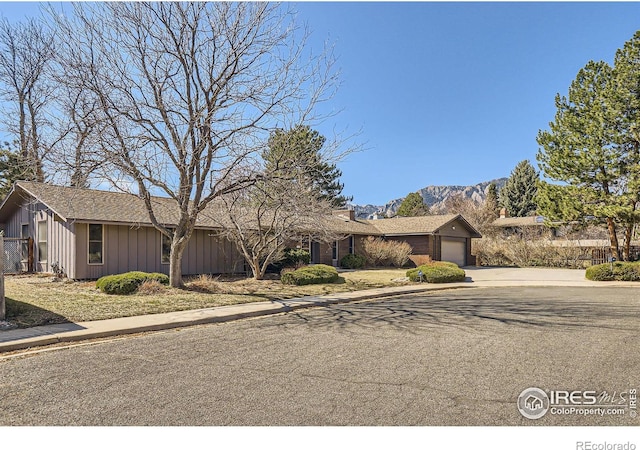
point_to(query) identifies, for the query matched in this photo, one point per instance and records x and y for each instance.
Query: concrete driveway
(533, 276)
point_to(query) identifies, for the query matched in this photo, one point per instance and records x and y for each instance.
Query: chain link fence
(18, 255)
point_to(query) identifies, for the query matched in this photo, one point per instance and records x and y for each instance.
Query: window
(334, 250)
(95, 243)
(42, 241)
(165, 249)
(24, 234)
(351, 245)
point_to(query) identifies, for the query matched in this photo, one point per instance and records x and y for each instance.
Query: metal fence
(18, 255)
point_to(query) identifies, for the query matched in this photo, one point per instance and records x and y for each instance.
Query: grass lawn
(33, 300)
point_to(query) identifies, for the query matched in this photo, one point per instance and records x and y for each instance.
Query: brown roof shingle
(78, 204)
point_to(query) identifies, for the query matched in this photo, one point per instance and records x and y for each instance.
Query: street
(456, 357)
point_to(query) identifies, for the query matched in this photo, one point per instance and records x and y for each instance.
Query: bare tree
(25, 52)
(271, 215)
(187, 93)
(479, 215)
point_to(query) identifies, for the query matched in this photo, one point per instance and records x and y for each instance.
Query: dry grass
(36, 300)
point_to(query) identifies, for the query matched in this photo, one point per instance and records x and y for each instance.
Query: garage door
(453, 251)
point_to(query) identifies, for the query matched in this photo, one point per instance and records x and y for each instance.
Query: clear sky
(449, 93)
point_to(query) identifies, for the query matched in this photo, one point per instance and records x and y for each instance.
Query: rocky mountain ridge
(434, 197)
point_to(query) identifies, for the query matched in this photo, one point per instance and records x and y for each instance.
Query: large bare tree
(187, 94)
(26, 50)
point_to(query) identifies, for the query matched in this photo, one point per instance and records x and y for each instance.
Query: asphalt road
(458, 357)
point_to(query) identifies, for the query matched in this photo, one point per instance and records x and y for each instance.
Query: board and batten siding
(127, 248)
(459, 231)
(60, 235)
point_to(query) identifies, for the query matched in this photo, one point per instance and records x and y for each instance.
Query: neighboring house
(442, 237)
(585, 244)
(530, 227)
(91, 233)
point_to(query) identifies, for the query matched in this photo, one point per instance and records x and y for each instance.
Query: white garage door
(453, 251)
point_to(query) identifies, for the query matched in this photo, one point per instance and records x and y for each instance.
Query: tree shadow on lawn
(474, 310)
(25, 315)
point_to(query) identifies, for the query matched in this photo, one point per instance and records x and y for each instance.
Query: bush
(150, 287)
(437, 272)
(420, 260)
(379, 252)
(316, 274)
(128, 283)
(352, 261)
(622, 271)
(295, 257)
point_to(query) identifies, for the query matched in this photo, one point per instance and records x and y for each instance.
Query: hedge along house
(442, 237)
(91, 233)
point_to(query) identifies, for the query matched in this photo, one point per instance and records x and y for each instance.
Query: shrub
(150, 287)
(294, 257)
(379, 252)
(622, 271)
(420, 260)
(527, 253)
(316, 274)
(352, 261)
(437, 272)
(128, 283)
(204, 283)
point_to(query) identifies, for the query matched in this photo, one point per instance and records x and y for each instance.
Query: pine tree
(586, 149)
(13, 167)
(413, 205)
(298, 153)
(518, 195)
(492, 203)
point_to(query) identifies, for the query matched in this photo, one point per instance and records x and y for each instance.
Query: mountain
(434, 197)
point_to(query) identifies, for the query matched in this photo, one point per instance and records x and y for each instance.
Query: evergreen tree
(518, 195)
(492, 203)
(413, 205)
(297, 153)
(13, 167)
(590, 149)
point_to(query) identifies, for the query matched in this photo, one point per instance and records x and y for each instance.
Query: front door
(315, 253)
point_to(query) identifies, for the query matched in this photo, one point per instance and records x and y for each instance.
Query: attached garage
(454, 251)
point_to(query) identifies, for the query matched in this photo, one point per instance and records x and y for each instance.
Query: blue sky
(449, 93)
(455, 93)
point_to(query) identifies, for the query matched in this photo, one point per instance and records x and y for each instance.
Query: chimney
(346, 214)
(503, 213)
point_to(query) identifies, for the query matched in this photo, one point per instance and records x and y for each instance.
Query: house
(530, 227)
(442, 237)
(90, 233)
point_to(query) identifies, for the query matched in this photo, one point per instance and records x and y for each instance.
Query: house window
(24, 234)
(165, 249)
(96, 247)
(42, 241)
(351, 245)
(334, 250)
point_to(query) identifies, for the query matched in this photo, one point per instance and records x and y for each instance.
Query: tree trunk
(178, 246)
(258, 274)
(626, 251)
(613, 238)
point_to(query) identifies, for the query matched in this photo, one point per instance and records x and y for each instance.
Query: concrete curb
(25, 338)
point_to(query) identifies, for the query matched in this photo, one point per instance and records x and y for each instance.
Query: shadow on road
(548, 308)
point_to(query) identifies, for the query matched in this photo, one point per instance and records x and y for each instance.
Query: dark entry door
(315, 252)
